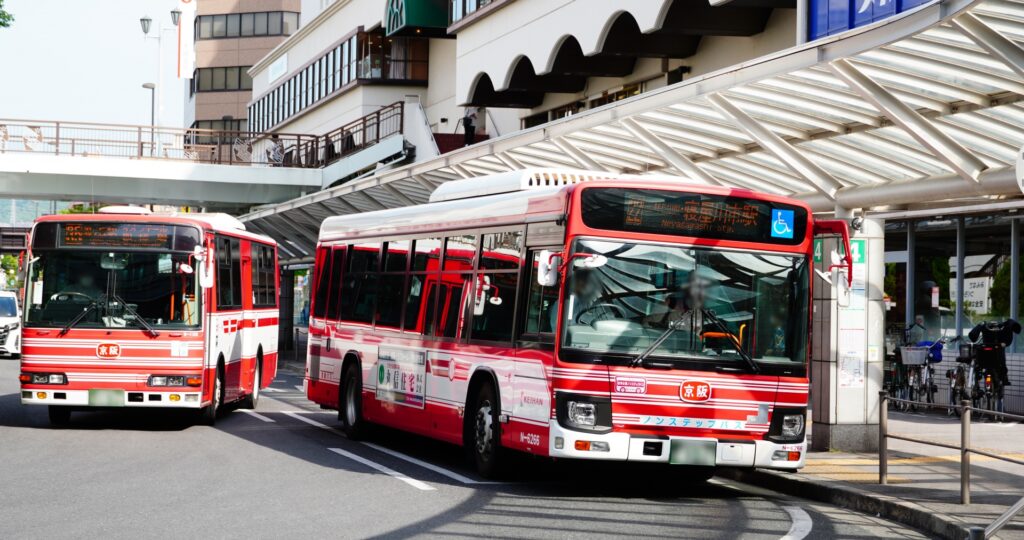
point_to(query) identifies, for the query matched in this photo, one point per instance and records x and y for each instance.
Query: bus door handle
(328, 343)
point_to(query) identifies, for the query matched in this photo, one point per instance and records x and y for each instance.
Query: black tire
(208, 414)
(251, 400)
(59, 416)
(350, 403)
(482, 437)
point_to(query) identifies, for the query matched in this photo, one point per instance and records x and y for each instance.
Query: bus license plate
(693, 452)
(106, 398)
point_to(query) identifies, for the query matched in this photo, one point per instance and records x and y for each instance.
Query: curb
(851, 498)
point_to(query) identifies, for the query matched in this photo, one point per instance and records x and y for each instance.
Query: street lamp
(147, 22)
(152, 113)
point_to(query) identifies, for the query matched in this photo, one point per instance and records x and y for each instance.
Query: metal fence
(85, 139)
(964, 448)
(363, 132)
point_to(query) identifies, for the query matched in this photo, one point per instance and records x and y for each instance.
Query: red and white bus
(573, 315)
(125, 308)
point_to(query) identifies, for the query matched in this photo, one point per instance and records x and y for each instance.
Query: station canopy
(920, 110)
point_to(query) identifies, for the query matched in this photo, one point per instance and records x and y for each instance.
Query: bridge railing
(86, 139)
(199, 145)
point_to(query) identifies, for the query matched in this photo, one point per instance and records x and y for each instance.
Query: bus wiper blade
(78, 318)
(136, 317)
(672, 327)
(710, 315)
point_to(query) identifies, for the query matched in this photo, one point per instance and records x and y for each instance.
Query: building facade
(231, 36)
(505, 64)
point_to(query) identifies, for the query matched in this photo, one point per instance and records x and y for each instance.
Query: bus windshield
(706, 305)
(159, 288)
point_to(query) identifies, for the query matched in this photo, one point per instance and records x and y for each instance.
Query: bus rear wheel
(208, 414)
(350, 403)
(483, 432)
(250, 401)
(59, 416)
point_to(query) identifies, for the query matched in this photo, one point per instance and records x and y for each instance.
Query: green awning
(428, 18)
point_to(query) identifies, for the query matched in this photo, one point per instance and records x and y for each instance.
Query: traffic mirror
(547, 268)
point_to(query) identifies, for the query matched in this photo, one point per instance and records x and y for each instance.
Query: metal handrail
(965, 454)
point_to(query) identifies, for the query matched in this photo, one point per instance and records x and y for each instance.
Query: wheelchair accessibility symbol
(782, 223)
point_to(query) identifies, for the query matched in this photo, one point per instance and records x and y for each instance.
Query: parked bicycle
(916, 381)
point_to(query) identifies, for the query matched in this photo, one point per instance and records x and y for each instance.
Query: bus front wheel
(483, 437)
(209, 413)
(59, 416)
(350, 408)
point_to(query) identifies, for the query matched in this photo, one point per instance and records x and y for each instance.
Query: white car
(10, 324)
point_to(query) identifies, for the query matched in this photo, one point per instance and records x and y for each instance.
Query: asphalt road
(286, 472)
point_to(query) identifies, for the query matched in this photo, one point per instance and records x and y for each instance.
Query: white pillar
(848, 355)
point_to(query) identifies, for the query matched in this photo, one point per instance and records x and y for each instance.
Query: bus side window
(333, 284)
(541, 305)
(322, 283)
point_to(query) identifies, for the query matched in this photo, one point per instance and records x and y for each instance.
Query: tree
(1000, 291)
(9, 267)
(5, 17)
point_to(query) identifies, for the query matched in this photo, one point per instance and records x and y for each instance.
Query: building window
(363, 57)
(220, 79)
(463, 8)
(233, 25)
(627, 91)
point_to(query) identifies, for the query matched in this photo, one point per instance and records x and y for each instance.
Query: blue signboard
(829, 17)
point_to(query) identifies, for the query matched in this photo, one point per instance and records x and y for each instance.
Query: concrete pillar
(961, 250)
(847, 366)
(911, 295)
(1014, 275)
(286, 319)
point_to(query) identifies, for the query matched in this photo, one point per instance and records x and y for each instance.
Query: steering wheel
(579, 316)
(66, 296)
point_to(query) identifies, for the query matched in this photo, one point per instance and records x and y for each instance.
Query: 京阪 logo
(782, 223)
(108, 350)
(695, 391)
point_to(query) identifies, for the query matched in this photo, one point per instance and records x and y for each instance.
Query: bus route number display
(116, 235)
(693, 214)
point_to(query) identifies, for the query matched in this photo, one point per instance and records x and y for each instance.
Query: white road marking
(272, 389)
(390, 472)
(255, 414)
(309, 421)
(300, 388)
(802, 523)
(439, 470)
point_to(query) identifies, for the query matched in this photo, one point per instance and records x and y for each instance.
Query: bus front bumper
(53, 395)
(697, 451)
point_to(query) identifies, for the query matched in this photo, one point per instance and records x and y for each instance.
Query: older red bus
(125, 308)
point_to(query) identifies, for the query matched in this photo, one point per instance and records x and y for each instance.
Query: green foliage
(1000, 291)
(82, 208)
(9, 266)
(5, 17)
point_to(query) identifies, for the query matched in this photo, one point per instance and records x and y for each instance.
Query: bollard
(965, 453)
(883, 441)
(976, 533)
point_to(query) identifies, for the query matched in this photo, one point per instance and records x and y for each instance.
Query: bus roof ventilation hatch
(124, 210)
(517, 180)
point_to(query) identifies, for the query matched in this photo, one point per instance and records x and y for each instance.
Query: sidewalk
(924, 481)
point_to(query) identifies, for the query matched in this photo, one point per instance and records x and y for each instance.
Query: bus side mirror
(547, 268)
(204, 261)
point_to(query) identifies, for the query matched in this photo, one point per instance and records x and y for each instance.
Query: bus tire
(208, 414)
(60, 416)
(350, 403)
(482, 437)
(252, 399)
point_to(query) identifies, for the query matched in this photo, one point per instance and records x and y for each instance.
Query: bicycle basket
(914, 356)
